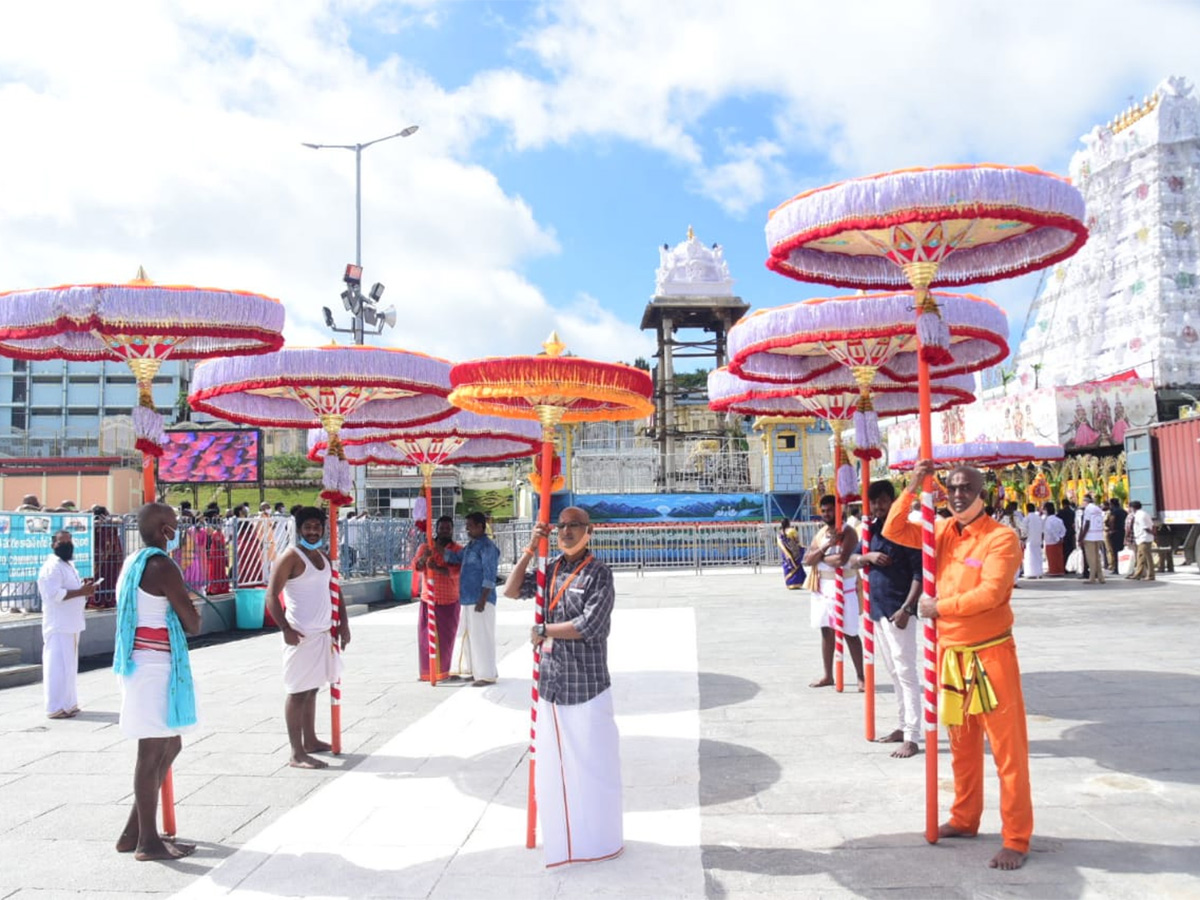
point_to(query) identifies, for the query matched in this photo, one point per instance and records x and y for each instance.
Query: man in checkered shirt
(577, 745)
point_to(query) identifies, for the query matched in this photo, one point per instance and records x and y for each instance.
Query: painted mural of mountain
(609, 510)
(718, 508)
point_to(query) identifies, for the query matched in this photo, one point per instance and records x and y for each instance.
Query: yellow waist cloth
(965, 683)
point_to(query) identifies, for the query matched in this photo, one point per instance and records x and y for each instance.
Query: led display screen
(206, 457)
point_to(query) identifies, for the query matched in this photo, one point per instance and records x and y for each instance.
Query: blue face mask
(173, 542)
(310, 545)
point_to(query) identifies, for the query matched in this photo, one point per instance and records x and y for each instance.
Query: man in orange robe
(980, 683)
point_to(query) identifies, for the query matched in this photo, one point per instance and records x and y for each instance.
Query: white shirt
(60, 615)
(1094, 518)
(1055, 529)
(1143, 527)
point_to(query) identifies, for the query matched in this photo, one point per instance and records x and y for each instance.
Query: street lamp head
(328, 314)
(376, 292)
(409, 131)
(353, 274)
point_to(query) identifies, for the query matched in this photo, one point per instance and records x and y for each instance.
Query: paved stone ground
(740, 780)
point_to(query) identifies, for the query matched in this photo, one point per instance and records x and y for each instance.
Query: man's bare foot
(946, 830)
(317, 747)
(905, 750)
(1007, 859)
(164, 850)
(307, 762)
(894, 738)
(128, 842)
(822, 682)
(862, 687)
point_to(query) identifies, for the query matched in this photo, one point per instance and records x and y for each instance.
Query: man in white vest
(64, 596)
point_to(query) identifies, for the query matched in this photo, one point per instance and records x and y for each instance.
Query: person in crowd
(1143, 543)
(1091, 536)
(1114, 533)
(298, 599)
(440, 595)
(980, 680)
(791, 554)
(1034, 535)
(64, 595)
(1053, 533)
(150, 657)
(829, 551)
(894, 575)
(578, 773)
(479, 561)
(108, 551)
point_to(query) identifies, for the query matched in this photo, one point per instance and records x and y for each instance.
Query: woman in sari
(218, 556)
(790, 553)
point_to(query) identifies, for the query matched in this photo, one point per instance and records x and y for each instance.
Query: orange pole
(929, 587)
(868, 624)
(431, 630)
(539, 616)
(335, 596)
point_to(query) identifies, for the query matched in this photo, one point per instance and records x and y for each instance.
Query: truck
(1163, 464)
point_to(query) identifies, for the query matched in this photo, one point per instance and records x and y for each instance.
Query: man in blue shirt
(895, 580)
(480, 559)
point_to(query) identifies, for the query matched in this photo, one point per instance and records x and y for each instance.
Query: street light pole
(359, 325)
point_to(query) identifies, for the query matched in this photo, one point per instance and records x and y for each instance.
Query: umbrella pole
(549, 416)
(868, 624)
(431, 628)
(929, 628)
(168, 786)
(839, 589)
(335, 597)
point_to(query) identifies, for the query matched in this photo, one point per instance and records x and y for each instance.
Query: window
(785, 440)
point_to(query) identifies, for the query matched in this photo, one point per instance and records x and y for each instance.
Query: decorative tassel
(934, 335)
(867, 441)
(336, 476)
(847, 483)
(148, 430)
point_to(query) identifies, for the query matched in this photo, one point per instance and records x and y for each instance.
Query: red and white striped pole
(427, 579)
(335, 621)
(868, 624)
(929, 588)
(549, 416)
(839, 588)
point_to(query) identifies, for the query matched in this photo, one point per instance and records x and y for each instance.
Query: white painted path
(439, 810)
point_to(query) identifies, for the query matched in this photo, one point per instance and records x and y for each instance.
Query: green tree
(287, 467)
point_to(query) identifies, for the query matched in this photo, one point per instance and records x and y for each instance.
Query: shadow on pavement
(1132, 722)
(645, 693)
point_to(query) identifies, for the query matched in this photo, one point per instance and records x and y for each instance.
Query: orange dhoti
(1054, 560)
(1006, 733)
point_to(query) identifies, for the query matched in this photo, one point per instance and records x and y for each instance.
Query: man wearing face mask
(578, 771)
(980, 681)
(301, 576)
(64, 596)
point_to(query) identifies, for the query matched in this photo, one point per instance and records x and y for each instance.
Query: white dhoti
(476, 655)
(311, 664)
(579, 781)
(145, 697)
(60, 669)
(821, 608)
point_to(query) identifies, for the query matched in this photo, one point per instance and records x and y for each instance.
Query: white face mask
(580, 544)
(970, 514)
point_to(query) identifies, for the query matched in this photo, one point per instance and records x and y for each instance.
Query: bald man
(980, 681)
(154, 612)
(577, 747)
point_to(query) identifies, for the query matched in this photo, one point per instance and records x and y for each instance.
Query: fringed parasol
(928, 227)
(331, 387)
(460, 439)
(141, 324)
(551, 388)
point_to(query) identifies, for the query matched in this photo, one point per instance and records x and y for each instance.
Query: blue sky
(560, 143)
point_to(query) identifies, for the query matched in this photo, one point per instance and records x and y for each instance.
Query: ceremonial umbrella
(142, 324)
(864, 335)
(460, 439)
(834, 397)
(332, 386)
(928, 227)
(550, 388)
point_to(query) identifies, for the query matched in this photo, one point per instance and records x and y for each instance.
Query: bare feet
(317, 747)
(161, 849)
(1007, 859)
(128, 842)
(822, 682)
(305, 761)
(862, 687)
(905, 750)
(946, 830)
(894, 738)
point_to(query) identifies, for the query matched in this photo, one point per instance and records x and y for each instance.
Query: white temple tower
(1130, 299)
